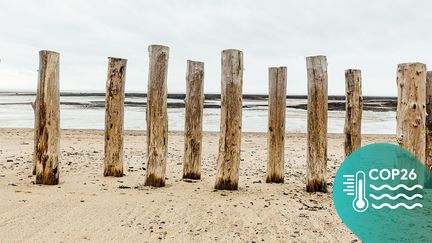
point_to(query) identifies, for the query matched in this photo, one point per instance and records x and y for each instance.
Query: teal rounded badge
(383, 194)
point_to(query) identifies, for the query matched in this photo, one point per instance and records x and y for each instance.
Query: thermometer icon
(360, 203)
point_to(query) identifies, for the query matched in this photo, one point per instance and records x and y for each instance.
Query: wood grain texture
(194, 105)
(114, 117)
(276, 124)
(35, 134)
(317, 124)
(157, 117)
(231, 121)
(47, 120)
(411, 108)
(429, 120)
(353, 110)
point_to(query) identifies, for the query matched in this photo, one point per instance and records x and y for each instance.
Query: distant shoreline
(336, 102)
(209, 96)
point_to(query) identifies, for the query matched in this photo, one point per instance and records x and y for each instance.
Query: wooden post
(47, 120)
(317, 124)
(353, 110)
(411, 108)
(231, 121)
(35, 134)
(114, 117)
(157, 118)
(429, 120)
(276, 124)
(194, 103)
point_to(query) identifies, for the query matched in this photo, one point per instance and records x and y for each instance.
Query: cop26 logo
(383, 194)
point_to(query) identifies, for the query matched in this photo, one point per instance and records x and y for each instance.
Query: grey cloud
(372, 35)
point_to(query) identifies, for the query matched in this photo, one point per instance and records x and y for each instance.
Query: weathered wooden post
(114, 117)
(194, 103)
(157, 117)
(317, 124)
(35, 134)
(47, 120)
(353, 110)
(276, 124)
(411, 108)
(231, 121)
(429, 120)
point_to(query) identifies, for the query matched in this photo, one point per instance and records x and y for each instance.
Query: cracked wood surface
(276, 124)
(228, 161)
(317, 124)
(114, 117)
(47, 120)
(157, 117)
(429, 120)
(353, 111)
(194, 105)
(411, 108)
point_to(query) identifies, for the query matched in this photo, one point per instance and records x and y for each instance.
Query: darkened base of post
(50, 179)
(193, 176)
(113, 172)
(274, 179)
(226, 185)
(316, 186)
(348, 145)
(154, 181)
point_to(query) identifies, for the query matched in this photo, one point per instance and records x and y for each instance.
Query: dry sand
(86, 206)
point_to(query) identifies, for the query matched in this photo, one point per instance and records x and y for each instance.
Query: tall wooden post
(114, 117)
(353, 110)
(35, 134)
(429, 120)
(317, 124)
(157, 117)
(231, 121)
(276, 124)
(194, 103)
(411, 108)
(47, 120)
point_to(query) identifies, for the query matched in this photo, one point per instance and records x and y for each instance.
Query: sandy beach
(86, 206)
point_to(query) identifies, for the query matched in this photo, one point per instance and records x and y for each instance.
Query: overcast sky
(371, 35)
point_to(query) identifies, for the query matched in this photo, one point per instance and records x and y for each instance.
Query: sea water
(87, 112)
